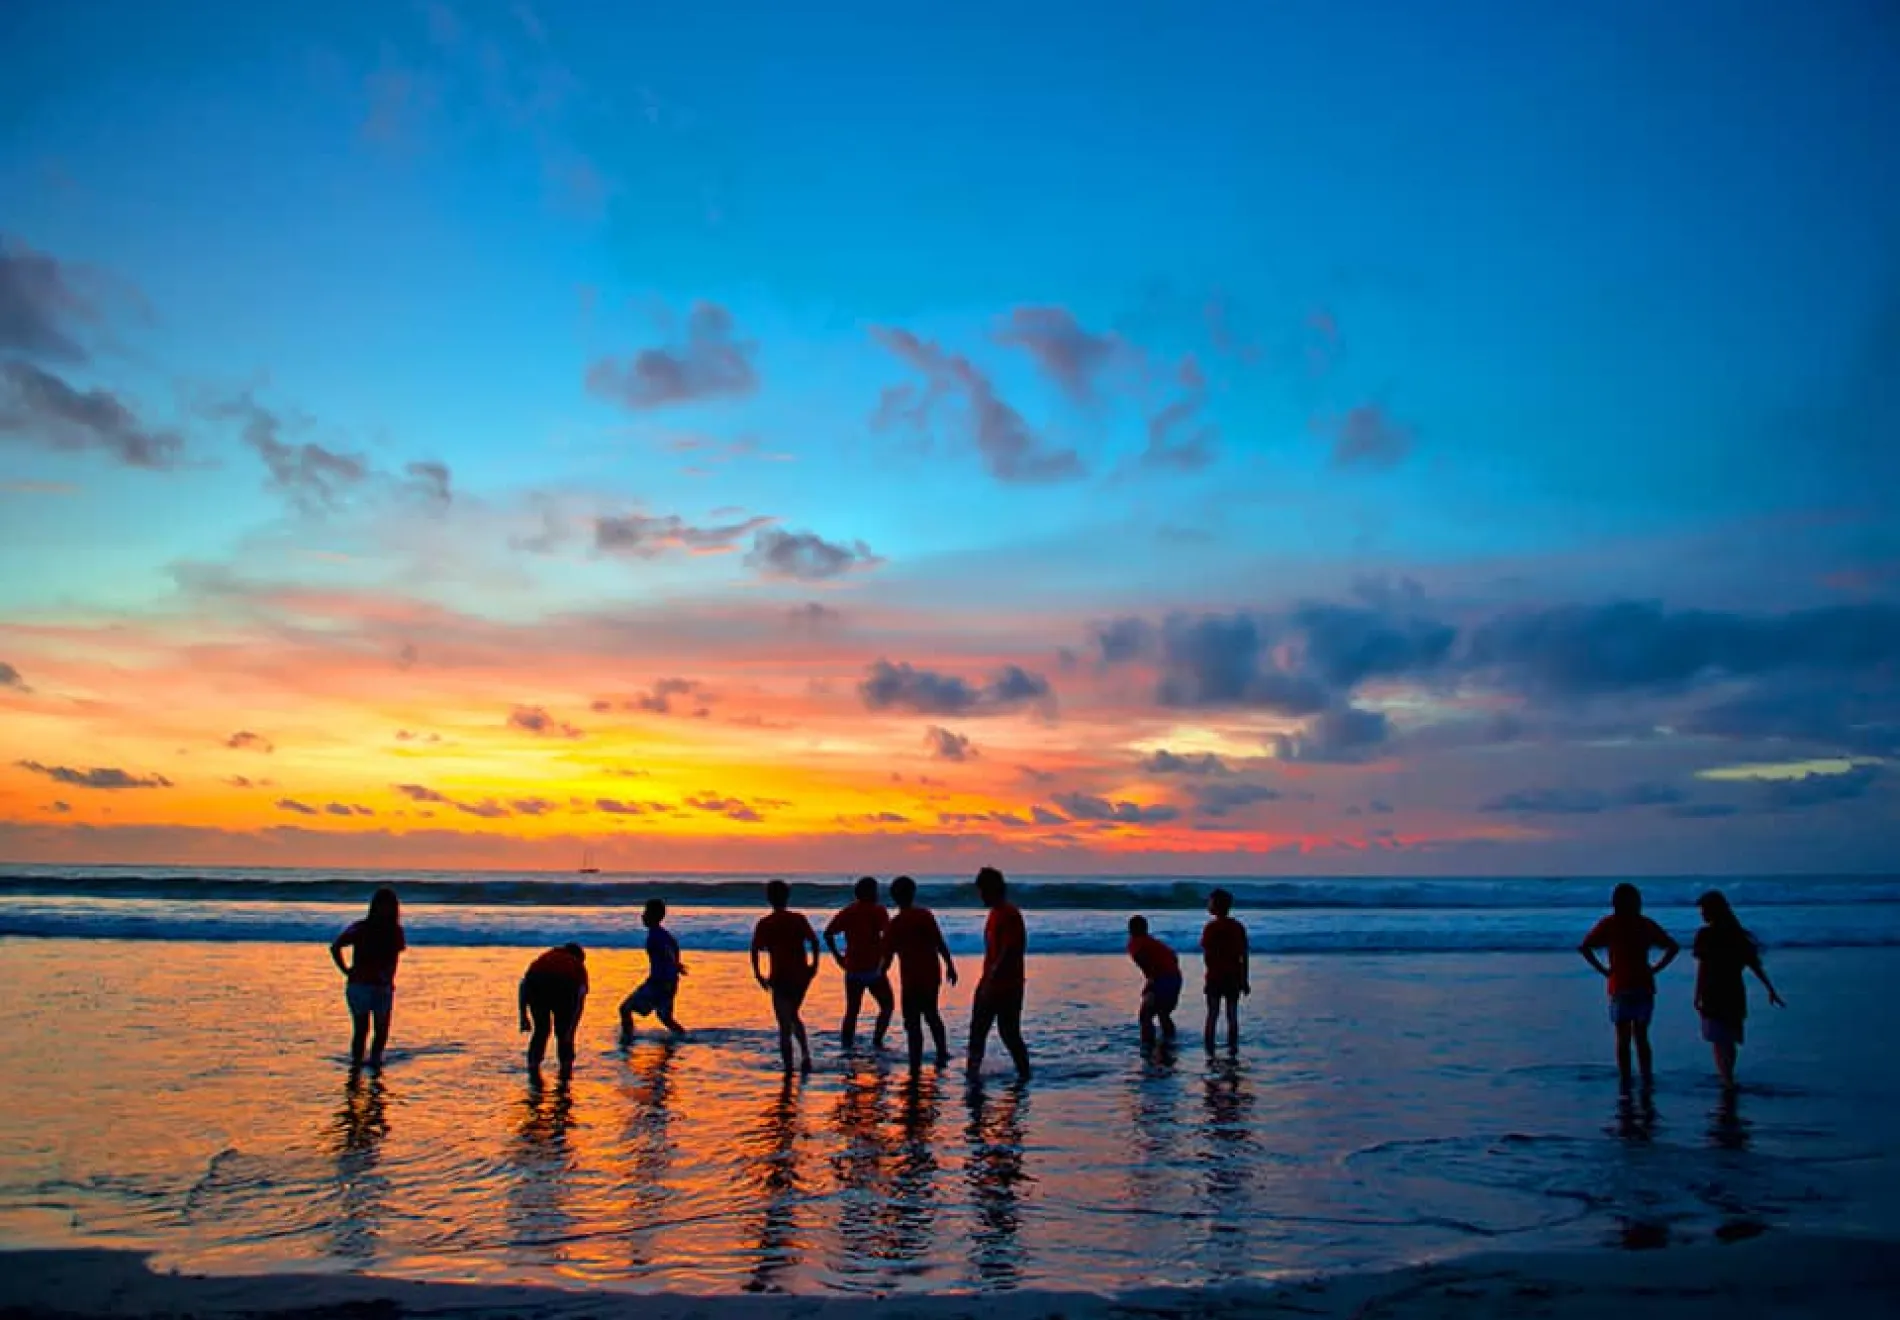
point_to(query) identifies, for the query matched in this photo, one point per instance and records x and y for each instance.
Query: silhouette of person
(862, 924)
(656, 994)
(370, 975)
(1225, 953)
(788, 939)
(1628, 935)
(1161, 991)
(553, 992)
(999, 993)
(915, 943)
(1723, 951)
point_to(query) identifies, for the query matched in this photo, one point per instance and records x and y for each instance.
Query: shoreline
(1771, 1275)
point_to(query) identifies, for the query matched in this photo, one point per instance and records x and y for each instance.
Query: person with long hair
(370, 975)
(1724, 949)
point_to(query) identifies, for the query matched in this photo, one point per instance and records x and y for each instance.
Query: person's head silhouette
(655, 913)
(866, 889)
(990, 886)
(903, 891)
(778, 894)
(1220, 902)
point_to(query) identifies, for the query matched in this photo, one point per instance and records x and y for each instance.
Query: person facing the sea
(370, 974)
(792, 946)
(1723, 951)
(863, 924)
(656, 994)
(915, 943)
(553, 992)
(1628, 935)
(1161, 991)
(1224, 952)
(998, 1001)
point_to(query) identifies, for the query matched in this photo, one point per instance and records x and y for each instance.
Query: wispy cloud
(39, 408)
(806, 556)
(706, 363)
(102, 777)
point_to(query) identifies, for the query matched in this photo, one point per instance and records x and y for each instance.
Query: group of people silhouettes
(786, 956)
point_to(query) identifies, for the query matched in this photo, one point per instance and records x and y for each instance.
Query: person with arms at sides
(915, 943)
(1225, 953)
(1723, 951)
(1161, 992)
(553, 992)
(370, 975)
(656, 994)
(998, 1001)
(792, 946)
(1628, 935)
(863, 925)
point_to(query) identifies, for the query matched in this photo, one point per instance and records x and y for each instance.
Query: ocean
(1425, 1072)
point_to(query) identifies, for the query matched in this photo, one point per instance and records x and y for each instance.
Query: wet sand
(1774, 1275)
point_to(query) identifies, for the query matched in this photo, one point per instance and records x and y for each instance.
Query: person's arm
(758, 975)
(1246, 963)
(1588, 948)
(817, 954)
(1761, 974)
(336, 949)
(943, 951)
(1662, 939)
(831, 942)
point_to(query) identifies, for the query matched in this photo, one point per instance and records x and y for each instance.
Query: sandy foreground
(1773, 1275)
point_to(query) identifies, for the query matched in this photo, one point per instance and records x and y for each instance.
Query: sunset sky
(1182, 438)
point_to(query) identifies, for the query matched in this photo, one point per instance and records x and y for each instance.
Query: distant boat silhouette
(587, 862)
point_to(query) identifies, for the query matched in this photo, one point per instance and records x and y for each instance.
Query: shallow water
(194, 1099)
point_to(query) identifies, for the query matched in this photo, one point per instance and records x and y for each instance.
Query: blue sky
(1528, 309)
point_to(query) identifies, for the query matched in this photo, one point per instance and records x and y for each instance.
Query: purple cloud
(947, 746)
(101, 777)
(1069, 355)
(647, 536)
(1368, 437)
(40, 408)
(246, 741)
(806, 556)
(708, 364)
(38, 302)
(536, 720)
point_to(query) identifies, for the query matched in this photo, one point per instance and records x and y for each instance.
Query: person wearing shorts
(1161, 991)
(998, 1001)
(791, 946)
(655, 995)
(370, 976)
(1225, 953)
(915, 943)
(1628, 936)
(863, 925)
(551, 996)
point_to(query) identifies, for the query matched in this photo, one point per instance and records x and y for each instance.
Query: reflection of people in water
(1628, 935)
(863, 925)
(994, 1171)
(1727, 1128)
(656, 994)
(1229, 1139)
(1636, 1116)
(1161, 991)
(791, 944)
(357, 1134)
(864, 1147)
(540, 1167)
(915, 943)
(370, 975)
(907, 1218)
(775, 1165)
(1723, 951)
(648, 1139)
(998, 1000)
(553, 992)
(1224, 950)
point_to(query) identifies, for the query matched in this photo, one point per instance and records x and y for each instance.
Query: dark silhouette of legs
(380, 1016)
(359, 1030)
(543, 1018)
(881, 993)
(1643, 1059)
(1009, 1025)
(1624, 1031)
(785, 1007)
(853, 1004)
(566, 1020)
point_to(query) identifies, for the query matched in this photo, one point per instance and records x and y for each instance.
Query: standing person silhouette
(370, 975)
(999, 994)
(1628, 935)
(553, 992)
(1224, 950)
(915, 943)
(1161, 990)
(863, 925)
(787, 938)
(656, 994)
(1723, 951)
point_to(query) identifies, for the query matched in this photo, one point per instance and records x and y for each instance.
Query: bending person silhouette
(999, 994)
(370, 975)
(915, 943)
(1224, 950)
(553, 992)
(1161, 991)
(863, 925)
(1723, 951)
(656, 994)
(1628, 935)
(792, 946)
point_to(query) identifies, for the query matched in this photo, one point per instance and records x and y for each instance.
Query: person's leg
(1165, 1011)
(543, 1018)
(668, 1021)
(1009, 1025)
(881, 993)
(1213, 1019)
(939, 1037)
(804, 1042)
(853, 1005)
(1233, 1021)
(359, 1031)
(1643, 1060)
(914, 1029)
(1146, 1017)
(567, 1021)
(380, 1040)
(1624, 1030)
(982, 1018)
(626, 1016)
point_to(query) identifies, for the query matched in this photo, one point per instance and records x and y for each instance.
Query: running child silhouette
(655, 995)
(1628, 936)
(792, 946)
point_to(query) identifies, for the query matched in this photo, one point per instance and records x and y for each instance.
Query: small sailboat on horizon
(587, 862)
